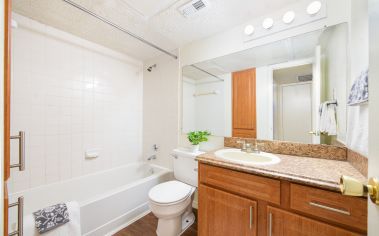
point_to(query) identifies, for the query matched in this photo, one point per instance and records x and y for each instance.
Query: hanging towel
(359, 90)
(328, 123)
(71, 227)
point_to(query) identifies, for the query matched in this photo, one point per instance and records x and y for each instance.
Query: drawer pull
(329, 208)
(270, 224)
(251, 217)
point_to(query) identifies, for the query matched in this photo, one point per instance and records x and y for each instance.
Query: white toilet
(171, 202)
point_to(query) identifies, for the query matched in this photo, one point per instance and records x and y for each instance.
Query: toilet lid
(169, 192)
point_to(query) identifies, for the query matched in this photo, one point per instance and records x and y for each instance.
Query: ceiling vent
(304, 78)
(191, 8)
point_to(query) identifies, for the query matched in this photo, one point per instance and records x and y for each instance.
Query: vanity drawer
(244, 184)
(330, 206)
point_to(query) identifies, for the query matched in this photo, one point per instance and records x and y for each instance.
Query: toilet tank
(185, 166)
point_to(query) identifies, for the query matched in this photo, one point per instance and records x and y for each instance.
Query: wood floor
(147, 225)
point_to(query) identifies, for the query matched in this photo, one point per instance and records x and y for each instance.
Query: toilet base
(187, 220)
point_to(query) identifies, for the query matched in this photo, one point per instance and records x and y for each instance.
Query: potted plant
(196, 137)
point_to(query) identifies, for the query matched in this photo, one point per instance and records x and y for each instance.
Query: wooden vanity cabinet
(238, 203)
(226, 214)
(281, 222)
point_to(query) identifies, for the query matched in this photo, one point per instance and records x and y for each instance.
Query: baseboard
(120, 222)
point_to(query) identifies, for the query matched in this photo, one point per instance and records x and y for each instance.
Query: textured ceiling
(168, 28)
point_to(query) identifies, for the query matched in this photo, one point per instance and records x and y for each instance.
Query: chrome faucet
(243, 146)
(255, 148)
(248, 147)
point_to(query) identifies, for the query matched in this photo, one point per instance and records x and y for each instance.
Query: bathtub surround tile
(296, 149)
(68, 95)
(317, 172)
(359, 161)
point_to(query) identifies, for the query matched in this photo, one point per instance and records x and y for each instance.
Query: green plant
(196, 137)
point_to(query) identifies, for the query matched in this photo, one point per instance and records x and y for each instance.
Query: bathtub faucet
(152, 157)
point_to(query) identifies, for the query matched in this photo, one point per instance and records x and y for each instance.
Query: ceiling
(295, 48)
(157, 21)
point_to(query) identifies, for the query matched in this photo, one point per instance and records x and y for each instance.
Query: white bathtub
(109, 200)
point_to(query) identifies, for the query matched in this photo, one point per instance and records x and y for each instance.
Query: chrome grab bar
(21, 150)
(329, 208)
(20, 216)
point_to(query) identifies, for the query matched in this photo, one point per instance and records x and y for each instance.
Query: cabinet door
(244, 104)
(222, 213)
(283, 223)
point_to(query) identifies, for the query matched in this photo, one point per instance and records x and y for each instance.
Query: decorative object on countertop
(359, 90)
(51, 217)
(196, 137)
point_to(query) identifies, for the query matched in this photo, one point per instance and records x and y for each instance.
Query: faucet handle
(243, 142)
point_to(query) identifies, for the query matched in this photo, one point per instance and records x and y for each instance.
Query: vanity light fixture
(249, 30)
(314, 7)
(288, 17)
(268, 23)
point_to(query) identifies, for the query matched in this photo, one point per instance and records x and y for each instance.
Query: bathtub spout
(152, 157)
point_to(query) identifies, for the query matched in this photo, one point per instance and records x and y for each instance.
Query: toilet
(171, 201)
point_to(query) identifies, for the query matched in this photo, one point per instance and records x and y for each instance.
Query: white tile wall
(70, 95)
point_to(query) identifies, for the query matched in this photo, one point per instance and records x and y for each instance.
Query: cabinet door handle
(251, 217)
(20, 216)
(21, 151)
(270, 224)
(329, 208)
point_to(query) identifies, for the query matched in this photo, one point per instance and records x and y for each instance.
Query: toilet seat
(170, 192)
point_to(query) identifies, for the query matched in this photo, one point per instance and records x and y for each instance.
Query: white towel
(71, 228)
(328, 123)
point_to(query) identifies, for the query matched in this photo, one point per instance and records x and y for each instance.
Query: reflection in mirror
(290, 90)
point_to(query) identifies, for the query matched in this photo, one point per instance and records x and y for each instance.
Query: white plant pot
(195, 148)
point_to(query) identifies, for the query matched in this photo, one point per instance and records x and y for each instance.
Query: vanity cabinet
(281, 222)
(238, 203)
(226, 214)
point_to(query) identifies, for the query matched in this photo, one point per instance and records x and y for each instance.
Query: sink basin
(239, 157)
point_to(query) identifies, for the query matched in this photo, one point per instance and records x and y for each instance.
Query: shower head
(150, 68)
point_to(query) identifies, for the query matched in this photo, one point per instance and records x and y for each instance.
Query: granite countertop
(317, 172)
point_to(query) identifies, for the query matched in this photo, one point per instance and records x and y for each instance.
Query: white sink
(239, 157)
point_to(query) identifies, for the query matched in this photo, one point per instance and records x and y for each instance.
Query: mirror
(286, 90)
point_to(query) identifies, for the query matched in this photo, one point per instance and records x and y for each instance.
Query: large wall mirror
(286, 90)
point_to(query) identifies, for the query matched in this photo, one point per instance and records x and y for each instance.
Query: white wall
(334, 68)
(373, 167)
(188, 105)
(208, 112)
(357, 116)
(161, 108)
(264, 88)
(70, 95)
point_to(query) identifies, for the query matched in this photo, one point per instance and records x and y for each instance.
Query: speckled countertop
(317, 172)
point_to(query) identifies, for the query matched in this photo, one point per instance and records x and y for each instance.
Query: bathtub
(109, 200)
